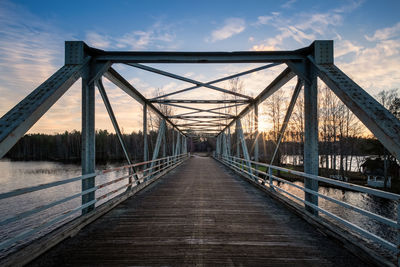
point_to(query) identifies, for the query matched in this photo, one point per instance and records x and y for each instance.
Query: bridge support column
(161, 132)
(145, 145)
(256, 132)
(178, 144)
(244, 146)
(88, 138)
(237, 141)
(229, 141)
(311, 136)
(173, 143)
(223, 139)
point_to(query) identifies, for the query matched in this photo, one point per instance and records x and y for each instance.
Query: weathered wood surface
(199, 214)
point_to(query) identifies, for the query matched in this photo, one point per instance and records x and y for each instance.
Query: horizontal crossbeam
(201, 117)
(120, 81)
(284, 77)
(181, 78)
(197, 110)
(200, 57)
(220, 80)
(199, 101)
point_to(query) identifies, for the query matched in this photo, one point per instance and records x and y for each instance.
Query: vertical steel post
(173, 143)
(223, 139)
(88, 138)
(311, 136)
(183, 144)
(398, 233)
(164, 141)
(178, 144)
(244, 146)
(237, 141)
(229, 141)
(160, 135)
(145, 144)
(185, 150)
(256, 132)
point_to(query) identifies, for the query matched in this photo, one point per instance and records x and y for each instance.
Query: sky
(366, 38)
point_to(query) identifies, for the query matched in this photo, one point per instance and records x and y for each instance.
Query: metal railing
(253, 172)
(160, 166)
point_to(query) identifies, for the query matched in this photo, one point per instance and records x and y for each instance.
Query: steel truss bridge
(197, 179)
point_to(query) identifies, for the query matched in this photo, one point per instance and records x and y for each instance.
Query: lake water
(19, 174)
(353, 163)
(16, 175)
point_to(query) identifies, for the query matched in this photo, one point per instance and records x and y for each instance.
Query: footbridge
(181, 208)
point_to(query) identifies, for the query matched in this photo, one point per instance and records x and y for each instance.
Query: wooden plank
(38, 247)
(199, 214)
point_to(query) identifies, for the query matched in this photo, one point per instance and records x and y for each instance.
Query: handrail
(164, 164)
(364, 189)
(239, 165)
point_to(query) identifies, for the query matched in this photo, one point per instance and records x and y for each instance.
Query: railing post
(311, 136)
(256, 132)
(88, 138)
(229, 141)
(161, 132)
(270, 178)
(398, 233)
(145, 145)
(237, 141)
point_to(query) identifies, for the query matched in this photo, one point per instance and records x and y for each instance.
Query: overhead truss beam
(220, 80)
(181, 78)
(284, 77)
(200, 57)
(120, 81)
(201, 101)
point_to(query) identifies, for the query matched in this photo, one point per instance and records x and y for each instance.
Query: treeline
(67, 146)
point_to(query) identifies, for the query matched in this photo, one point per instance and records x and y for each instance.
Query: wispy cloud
(288, 4)
(157, 36)
(30, 51)
(232, 26)
(376, 67)
(302, 28)
(98, 40)
(385, 33)
(346, 47)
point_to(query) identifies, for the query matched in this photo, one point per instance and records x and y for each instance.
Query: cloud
(376, 68)
(31, 50)
(345, 47)
(157, 36)
(98, 40)
(301, 28)
(288, 4)
(232, 26)
(263, 20)
(385, 33)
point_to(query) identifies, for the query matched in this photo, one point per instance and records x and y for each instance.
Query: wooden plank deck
(199, 214)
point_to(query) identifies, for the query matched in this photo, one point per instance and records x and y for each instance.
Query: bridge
(185, 209)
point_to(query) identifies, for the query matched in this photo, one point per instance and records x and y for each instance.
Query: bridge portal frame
(307, 63)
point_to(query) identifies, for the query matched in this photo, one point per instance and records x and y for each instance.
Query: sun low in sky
(366, 35)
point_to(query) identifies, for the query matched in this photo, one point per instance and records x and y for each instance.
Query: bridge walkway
(199, 214)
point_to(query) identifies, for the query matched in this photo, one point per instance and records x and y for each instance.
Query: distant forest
(67, 146)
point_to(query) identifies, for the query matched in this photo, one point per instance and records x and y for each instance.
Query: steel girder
(200, 57)
(16, 122)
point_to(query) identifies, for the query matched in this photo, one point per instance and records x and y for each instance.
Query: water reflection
(16, 175)
(377, 205)
(22, 174)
